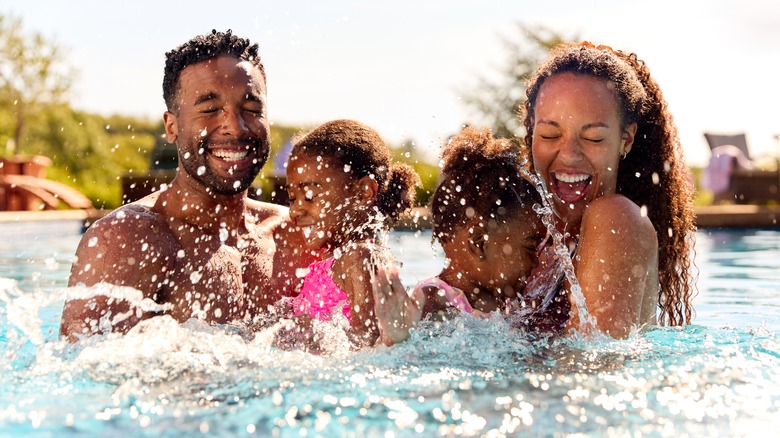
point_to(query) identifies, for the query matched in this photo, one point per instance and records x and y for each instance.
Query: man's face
(220, 123)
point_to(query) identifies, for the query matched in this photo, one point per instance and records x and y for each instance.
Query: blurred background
(80, 82)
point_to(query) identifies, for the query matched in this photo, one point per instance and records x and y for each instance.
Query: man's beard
(219, 185)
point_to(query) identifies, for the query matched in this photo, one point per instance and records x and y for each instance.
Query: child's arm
(397, 312)
(352, 273)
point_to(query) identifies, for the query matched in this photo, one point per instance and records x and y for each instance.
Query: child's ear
(476, 241)
(367, 188)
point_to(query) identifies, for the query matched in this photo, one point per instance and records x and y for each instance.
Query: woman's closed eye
(594, 140)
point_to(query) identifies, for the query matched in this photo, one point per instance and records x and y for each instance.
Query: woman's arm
(616, 265)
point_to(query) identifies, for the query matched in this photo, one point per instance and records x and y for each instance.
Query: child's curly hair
(480, 179)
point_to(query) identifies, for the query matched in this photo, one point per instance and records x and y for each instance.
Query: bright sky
(401, 66)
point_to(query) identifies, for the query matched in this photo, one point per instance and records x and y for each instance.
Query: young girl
(483, 218)
(344, 191)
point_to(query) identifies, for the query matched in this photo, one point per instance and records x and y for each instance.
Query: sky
(402, 66)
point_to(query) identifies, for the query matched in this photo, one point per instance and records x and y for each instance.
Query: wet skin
(578, 139)
(201, 246)
(331, 208)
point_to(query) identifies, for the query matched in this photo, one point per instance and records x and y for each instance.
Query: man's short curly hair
(202, 48)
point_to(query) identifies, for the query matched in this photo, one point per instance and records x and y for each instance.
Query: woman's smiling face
(578, 139)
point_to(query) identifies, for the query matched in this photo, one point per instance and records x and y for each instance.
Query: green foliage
(429, 173)
(92, 152)
(497, 100)
(33, 75)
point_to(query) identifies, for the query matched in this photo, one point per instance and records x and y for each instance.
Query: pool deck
(712, 216)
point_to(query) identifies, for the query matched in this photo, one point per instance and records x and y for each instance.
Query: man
(201, 247)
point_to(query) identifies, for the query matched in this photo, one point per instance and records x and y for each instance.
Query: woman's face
(577, 141)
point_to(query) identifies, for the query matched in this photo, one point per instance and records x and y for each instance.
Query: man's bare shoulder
(132, 217)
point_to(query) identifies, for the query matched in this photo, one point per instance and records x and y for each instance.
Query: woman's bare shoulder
(615, 219)
(616, 214)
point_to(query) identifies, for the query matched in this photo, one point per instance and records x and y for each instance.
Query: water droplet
(204, 132)
(236, 184)
(195, 277)
(201, 170)
(144, 247)
(120, 214)
(223, 234)
(347, 168)
(186, 155)
(92, 242)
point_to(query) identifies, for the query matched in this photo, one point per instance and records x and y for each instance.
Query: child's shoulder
(365, 255)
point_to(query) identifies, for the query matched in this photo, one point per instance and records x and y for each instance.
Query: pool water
(468, 377)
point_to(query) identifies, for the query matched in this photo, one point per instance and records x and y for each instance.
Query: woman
(601, 139)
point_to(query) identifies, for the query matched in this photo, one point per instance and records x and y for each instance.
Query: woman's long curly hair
(653, 174)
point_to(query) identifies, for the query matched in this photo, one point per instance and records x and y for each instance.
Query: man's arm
(129, 247)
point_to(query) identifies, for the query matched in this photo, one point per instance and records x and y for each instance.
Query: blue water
(466, 377)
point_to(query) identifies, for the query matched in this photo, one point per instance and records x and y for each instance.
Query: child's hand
(396, 312)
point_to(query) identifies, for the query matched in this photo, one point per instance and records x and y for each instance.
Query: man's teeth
(572, 178)
(230, 155)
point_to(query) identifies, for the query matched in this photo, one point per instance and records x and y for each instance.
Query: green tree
(497, 99)
(91, 152)
(429, 173)
(33, 74)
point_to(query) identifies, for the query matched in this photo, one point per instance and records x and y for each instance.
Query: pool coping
(710, 216)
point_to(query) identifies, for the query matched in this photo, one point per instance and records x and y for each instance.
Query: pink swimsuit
(319, 294)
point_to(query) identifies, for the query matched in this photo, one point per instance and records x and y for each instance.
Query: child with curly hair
(484, 218)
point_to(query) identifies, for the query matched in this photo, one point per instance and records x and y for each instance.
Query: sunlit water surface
(720, 376)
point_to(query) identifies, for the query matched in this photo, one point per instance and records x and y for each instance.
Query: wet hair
(202, 48)
(354, 145)
(480, 179)
(653, 174)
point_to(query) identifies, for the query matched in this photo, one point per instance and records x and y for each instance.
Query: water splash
(545, 212)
